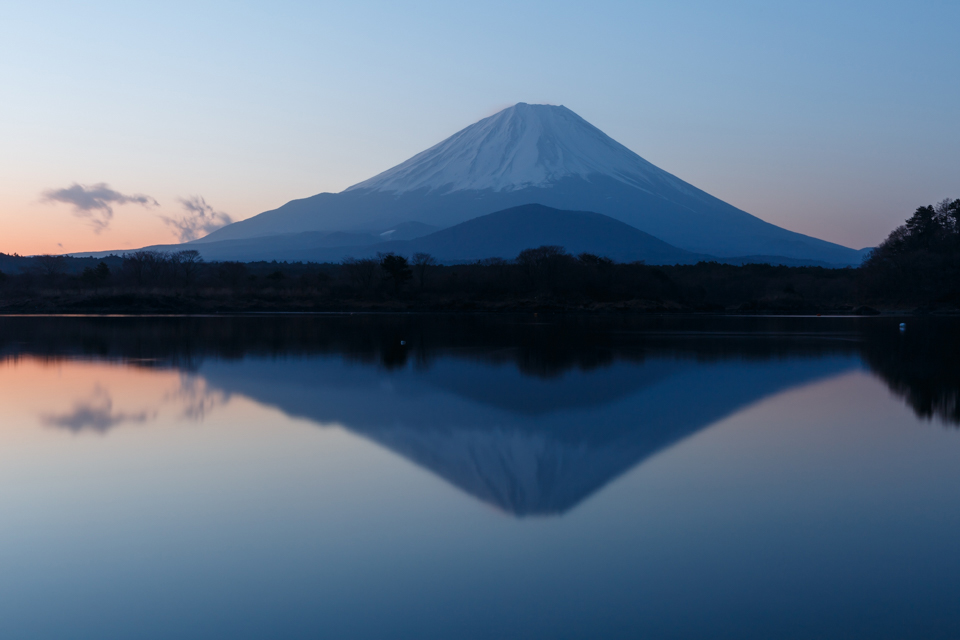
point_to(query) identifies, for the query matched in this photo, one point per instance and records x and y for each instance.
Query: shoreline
(627, 308)
(306, 300)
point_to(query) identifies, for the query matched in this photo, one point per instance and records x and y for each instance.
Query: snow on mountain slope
(526, 145)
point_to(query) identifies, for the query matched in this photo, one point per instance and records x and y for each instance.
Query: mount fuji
(529, 154)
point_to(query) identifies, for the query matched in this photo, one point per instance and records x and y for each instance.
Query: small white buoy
(903, 326)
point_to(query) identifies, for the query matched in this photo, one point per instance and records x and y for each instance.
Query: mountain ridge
(546, 155)
(502, 234)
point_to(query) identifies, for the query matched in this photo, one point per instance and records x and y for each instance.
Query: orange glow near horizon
(32, 228)
(58, 392)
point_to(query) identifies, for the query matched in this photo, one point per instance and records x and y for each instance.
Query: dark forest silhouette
(917, 266)
(919, 262)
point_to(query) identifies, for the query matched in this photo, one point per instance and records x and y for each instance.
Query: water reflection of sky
(322, 496)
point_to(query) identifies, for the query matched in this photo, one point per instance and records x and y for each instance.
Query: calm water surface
(474, 477)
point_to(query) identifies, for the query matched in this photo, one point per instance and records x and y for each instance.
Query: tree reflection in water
(919, 364)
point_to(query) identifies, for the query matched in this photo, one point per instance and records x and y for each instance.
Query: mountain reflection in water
(527, 414)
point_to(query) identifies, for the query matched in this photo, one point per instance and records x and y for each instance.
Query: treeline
(919, 262)
(918, 364)
(917, 266)
(540, 278)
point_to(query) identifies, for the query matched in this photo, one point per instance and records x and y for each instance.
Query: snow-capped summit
(526, 145)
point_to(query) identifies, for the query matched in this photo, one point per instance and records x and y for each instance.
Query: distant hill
(502, 234)
(505, 234)
(68, 265)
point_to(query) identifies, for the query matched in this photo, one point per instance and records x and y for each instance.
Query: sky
(834, 119)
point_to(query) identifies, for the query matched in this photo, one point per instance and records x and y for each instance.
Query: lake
(432, 476)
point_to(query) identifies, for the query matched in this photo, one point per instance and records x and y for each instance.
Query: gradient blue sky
(834, 119)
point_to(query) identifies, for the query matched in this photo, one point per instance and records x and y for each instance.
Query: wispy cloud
(94, 203)
(198, 219)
